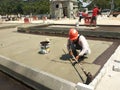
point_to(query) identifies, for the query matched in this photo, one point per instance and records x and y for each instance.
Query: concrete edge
(104, 34)
(64, 31)
(105, 68)
(34, 25)
(10, 26)
(34, 78)
(81, 86)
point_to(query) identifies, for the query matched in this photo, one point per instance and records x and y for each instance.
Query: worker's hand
(77, 57)
(70, 52)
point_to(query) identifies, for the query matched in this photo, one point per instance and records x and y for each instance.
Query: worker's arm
(69, 47)
(85, 46)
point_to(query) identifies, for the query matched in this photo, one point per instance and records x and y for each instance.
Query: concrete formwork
(105, 31)
(51, 70)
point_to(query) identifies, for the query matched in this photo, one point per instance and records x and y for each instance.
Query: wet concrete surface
(19, 47)
(24, 48)
(9, 83)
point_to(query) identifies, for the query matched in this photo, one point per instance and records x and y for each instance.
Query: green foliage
(24, 7)
(104, 4)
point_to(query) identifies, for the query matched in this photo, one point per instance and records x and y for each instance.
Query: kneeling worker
(77, 45)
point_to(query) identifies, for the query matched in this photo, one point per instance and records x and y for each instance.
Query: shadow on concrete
(67, 56)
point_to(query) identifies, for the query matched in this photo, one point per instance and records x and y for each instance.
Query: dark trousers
(80, 17)
(93, 19)
(75, 48)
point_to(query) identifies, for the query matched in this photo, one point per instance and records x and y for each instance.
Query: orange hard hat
(73, 34)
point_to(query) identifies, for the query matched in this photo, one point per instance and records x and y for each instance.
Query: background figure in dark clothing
(80, 16)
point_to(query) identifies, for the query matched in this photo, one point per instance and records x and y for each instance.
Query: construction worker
(95, 12)
(80, 16)
(77, 45)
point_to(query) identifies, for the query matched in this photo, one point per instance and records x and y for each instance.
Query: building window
(57, 6)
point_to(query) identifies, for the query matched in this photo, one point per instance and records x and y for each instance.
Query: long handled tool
(88, 75)
(71, 61)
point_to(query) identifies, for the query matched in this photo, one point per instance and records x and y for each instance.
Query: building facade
(63, 8)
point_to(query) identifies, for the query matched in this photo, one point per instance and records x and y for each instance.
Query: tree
(24, 7)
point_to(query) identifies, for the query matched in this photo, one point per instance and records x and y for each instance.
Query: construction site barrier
(26, 20)
(35, 18)
(44, 18)
(87, 21)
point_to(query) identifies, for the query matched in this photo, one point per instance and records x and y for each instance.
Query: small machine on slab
(44, 47)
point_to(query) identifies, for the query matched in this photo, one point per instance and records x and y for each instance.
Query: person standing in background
(95, 12)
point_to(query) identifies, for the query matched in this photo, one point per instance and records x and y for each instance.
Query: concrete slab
(24, 48)
(20, 51)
